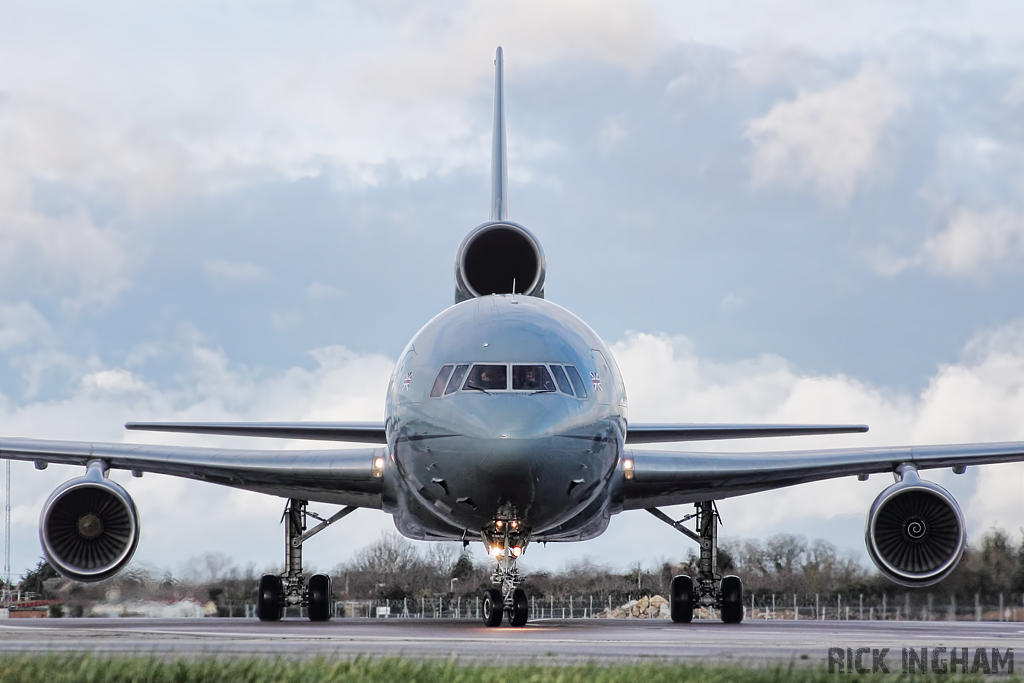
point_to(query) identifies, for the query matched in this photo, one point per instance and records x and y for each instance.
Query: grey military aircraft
(505, 423)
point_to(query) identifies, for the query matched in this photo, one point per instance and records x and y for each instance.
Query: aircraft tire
(319, 597)
(269, 602)
(732, 600)
(493, 607)
(681, 603)
(520, 608)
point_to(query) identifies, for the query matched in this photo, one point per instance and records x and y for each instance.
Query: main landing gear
(506, 541)
(278, 591)
(712, 590)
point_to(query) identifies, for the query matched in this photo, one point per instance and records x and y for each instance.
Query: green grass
(139, 669)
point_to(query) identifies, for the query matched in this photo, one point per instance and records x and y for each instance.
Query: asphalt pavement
(561, 641)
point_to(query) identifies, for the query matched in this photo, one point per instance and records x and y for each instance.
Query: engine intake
(915, 532)
(89, 527)
(499, 258)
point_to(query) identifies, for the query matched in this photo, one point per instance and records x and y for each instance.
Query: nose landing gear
(506, 541)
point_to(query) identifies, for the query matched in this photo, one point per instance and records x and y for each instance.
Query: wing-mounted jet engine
(499, 257)
(89, 527)
(915, 531)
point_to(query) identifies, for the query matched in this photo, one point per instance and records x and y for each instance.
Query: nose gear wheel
(506, 539)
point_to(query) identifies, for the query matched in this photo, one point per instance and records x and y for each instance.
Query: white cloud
(21, 324)
(319, 291)
(125, 125)
(771, 64)
(286, 319)
(114, 381)
(845, 27)
(830, 139)
(970, 244)
(974, 240)
(611, 135)
(731, 302)
(1014, 96)
(235, 272)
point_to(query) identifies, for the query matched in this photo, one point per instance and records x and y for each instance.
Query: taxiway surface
(540, 641)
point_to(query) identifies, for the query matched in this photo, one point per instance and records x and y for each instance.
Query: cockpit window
(456, 380)
(561, 379)
(531, 378)
(441, 380)
(577, 381)
(488, 378)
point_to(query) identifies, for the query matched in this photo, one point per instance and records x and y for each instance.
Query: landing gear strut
(506, 541)
(290, 589)
(712, 589)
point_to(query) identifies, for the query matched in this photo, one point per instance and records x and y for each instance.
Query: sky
(786, 211)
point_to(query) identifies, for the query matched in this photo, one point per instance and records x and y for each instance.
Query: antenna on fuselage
(499, 165)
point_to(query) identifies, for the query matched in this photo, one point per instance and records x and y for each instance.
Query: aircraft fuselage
(463, 452)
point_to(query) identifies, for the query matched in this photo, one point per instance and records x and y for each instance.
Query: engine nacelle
(89, 527)
(499, 257)
(915, 532)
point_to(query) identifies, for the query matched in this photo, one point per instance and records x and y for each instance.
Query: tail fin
(499, 165)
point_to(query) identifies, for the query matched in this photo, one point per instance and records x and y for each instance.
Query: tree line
(394, 569)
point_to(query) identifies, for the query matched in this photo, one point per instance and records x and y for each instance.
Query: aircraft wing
(664, 433)
(359, 432)
(343, 477)
(373, 432)
(674, 478)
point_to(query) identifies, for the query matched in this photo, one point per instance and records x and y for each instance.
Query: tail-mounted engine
(915, 531)
(499, 257)
(89, 527)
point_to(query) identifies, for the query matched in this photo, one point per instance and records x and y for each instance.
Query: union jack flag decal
(406, 382)
(595, 381)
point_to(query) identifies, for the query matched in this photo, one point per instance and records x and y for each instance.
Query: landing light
(627, 464)
(379, 463)
(515, 524)
(498, 523)
(517, 551)
(495, 551)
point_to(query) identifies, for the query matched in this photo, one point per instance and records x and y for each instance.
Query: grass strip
(150, 669)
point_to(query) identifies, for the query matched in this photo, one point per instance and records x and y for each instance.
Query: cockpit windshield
(531, 378)
(488, 377)
(491, 377)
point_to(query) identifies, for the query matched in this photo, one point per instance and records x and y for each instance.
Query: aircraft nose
(519, 417)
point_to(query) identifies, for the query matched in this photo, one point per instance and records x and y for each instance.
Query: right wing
(342, 477)
(662, 478)
(359, 432)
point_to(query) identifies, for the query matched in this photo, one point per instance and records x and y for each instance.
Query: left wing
(359, 432)
(343, 477)
(673, 478)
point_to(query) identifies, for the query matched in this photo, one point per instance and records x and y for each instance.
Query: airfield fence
(759, 606)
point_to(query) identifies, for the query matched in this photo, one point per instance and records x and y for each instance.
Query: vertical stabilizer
(499, 165)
